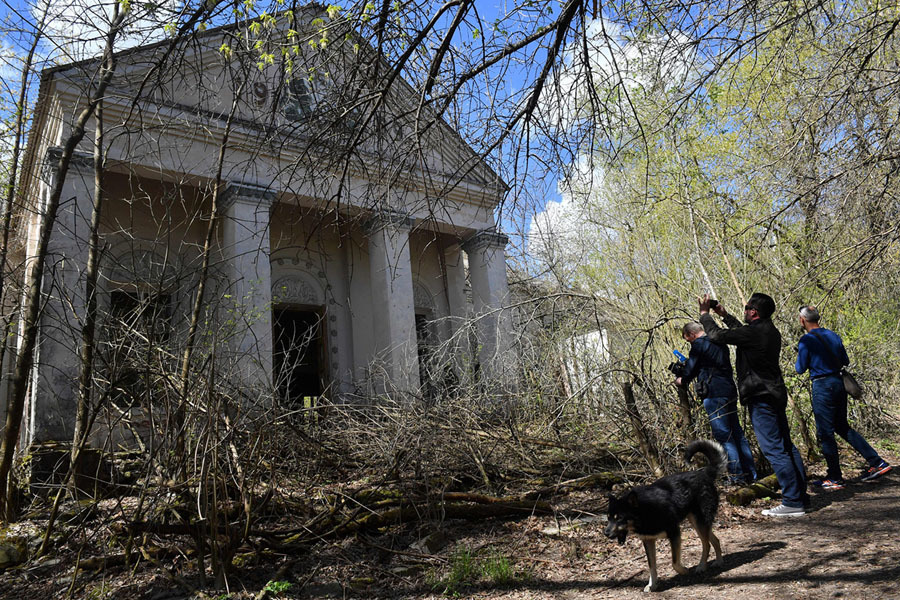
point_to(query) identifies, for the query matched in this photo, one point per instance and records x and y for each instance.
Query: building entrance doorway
(298, 357)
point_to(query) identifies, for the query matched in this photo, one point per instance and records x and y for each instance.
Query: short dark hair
(763, 304)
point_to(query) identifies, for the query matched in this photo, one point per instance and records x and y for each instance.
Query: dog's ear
(632, 499)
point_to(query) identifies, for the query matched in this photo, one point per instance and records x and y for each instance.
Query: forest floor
(845, 547)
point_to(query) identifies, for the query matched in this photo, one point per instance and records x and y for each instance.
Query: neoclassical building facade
(331, 262)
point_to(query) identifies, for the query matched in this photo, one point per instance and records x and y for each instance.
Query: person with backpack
(822, 353)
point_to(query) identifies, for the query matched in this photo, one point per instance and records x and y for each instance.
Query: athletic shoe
(828, 484)
(784, 511)
(873, 473)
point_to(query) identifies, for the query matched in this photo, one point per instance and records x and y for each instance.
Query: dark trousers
(829, 403)
(726, 429)
(774, 436)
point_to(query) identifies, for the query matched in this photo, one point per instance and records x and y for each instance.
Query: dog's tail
(718, 460)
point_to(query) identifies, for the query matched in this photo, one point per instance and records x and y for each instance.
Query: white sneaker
(784, 511)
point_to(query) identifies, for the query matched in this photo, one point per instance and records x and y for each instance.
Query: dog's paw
(681, 569)
(650, 587)
(701, 568)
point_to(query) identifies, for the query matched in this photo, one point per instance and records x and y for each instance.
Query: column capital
(385, 218)
(486, 238)
(248, 193)
(80, 161)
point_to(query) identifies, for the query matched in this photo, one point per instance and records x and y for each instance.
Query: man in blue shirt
(822, 352)
(709, 366)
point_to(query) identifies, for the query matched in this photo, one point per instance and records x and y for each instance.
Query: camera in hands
(677, 367)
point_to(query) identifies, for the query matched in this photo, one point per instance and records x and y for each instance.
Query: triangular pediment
(306, 89)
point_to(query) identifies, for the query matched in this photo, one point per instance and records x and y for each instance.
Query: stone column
(53, 398)
(490, 291)
(394, 327)
(246, 251)
(458, 305)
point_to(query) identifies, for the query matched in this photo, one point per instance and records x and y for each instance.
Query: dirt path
(848, 546)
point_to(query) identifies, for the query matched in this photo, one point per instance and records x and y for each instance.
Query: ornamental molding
(80, 161)
(248, 194)
(138, 262)
(389, 218)
(486, 238)
(422, 298)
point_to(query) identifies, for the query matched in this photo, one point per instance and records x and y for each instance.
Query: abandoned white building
(346, 242)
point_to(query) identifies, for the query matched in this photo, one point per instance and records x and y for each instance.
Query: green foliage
(467, 568)
(496, 568)
(767, 178)
(277, 587)
(463, 571)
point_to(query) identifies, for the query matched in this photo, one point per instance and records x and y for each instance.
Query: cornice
(247, 193)
(249, 129)
(486, 238)
(79, 161)
(389, 218)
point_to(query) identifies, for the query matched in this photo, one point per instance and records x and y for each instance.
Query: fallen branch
(606, 479)
(470, 511)
(766, 487)
(99, 563)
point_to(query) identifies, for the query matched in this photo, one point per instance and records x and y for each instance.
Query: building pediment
(286, 89)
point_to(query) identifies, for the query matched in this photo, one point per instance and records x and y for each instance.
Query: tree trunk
(685, 414)
(808, 440)
(648, 449)
(34, 279)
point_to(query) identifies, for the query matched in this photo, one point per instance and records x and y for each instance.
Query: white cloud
(10, 66)
(607, 65)
(566, 233)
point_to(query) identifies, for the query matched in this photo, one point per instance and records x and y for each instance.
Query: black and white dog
(656, 511)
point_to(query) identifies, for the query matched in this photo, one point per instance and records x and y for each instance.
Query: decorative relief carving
(137, 262)
(389, 218)
(422, 297)
(295, 289)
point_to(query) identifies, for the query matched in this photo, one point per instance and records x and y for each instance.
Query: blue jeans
(774, 436)
(726, 429)
(829, 403)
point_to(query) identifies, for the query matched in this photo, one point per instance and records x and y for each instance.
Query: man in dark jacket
(709, 366)
(761, 388)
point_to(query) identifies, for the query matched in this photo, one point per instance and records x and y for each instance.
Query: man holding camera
(761, 388)
(709, 366)
(822, 352)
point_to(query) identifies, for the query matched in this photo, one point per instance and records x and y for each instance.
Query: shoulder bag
(851, 385)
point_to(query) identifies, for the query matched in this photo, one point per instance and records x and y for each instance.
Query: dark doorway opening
(297, 356)
(425, 346)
